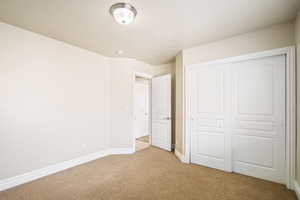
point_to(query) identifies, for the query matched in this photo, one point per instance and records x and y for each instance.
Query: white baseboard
(297, 189)
(39, 173)
(114, 151)
(180, 156)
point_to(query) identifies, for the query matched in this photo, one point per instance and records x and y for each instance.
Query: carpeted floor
(143, 139)
(149, 174)
(141, 145)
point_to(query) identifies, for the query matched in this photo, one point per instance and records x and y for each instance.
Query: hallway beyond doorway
(142, 143)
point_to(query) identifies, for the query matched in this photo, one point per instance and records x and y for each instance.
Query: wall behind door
(272, 37)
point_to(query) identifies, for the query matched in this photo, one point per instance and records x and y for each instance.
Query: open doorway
(141, 112)
(152, 111)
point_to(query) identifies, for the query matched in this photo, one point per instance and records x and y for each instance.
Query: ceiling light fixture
(123, 13)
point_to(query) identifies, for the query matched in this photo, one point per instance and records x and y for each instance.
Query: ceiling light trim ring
(122, 5)
(126, 6)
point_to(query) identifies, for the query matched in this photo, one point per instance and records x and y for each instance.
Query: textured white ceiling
(162, 27)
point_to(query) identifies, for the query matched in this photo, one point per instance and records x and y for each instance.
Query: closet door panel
(258, 118)
(209, 116)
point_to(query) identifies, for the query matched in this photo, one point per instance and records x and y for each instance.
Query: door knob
(167, 118)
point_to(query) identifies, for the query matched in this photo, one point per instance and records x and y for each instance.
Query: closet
(237, 116)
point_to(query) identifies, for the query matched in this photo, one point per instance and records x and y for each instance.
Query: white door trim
(149, 77)
(289, 52)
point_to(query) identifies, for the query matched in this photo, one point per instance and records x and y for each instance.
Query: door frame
(290, 107)
(149, 77)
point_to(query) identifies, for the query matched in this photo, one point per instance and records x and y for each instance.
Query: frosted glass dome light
(123, 13)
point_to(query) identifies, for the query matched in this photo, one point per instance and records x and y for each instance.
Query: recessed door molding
(290, 104)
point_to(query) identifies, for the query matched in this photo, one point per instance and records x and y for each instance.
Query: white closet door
(258, 118)
(210, 116)
(237, 117)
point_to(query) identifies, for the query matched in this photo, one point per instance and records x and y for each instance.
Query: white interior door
(141, 109)
(258, 118)
(210, 116)
(161, 112)
(237, 117)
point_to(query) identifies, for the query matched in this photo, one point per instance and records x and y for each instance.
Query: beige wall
(59, 102)
(277, 36)
(179, 104)
(54, 102)
(121, 103)
(297, 39)
(164, 69)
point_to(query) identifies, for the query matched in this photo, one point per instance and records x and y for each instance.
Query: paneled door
(259, 118)
(237, 117)
(161, 112)
(210, 116)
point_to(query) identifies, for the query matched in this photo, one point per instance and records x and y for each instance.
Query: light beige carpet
(143, 139)
(149, 174)
(141, 145)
